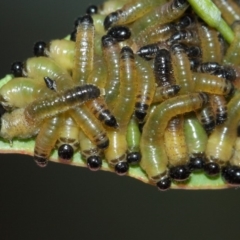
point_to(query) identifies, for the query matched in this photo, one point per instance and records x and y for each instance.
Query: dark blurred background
(64, 202)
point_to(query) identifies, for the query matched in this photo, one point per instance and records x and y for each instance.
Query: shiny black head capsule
(94, 163)
(86, 19)
(111, 122)
(39, 48)
(196, 163)
(231, 174)
(73, 35)
(164, 184)
(65, 152)
(134, 158)
(110, 19)
(16, 69)
(92, 9)
(180, 173)
(121, 168)
(211, 169)
(121, 33)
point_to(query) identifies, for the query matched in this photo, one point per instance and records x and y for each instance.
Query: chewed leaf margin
(196, 181)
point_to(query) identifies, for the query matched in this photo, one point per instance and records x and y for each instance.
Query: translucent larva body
(133, 141)
(235, 159)
(206, 117)
(181, 69)
(98, 75)
(232, 55)
(40, 67)
(46, 139)
(90, 126)
(196, 141)
(130, 12)
(90, 152)
(111, 52)
(67, 135)
(160, 32)
(229, 9)
(18, 92)
(59, 102)
(212, 84)
(123, 109)
(163, 68)
(210, 45)
(158, 120)
(163, 93)
(124, 105)
(176, 149)
(100, 110)
(221, 141)
(84, 50)
(219, 105)
(145, 88)
(62, 52)
(162, 14)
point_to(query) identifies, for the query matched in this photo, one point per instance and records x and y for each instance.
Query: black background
(64, 202)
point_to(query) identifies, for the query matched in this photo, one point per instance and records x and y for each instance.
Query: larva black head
(39, 48)
(111, 122)
(110, 20)
(121, 168)
(211, 168)
(73, 35)
(16, 69)
(196, 162)
(148, 52)
(194, 51)
(134, 158)
(104, 144)
(94, 163)
(184, 22)
(121, 33)
(51, 84)
(140, 115)
(221, 118)
(179, 173)
(92, 9)
(229, 73)
(65, 152)
(41, 161)
(86, 19)
(164, 184)
(231, 174)
(178, 47)
(209, 126)
(77, 22)
(108, 41)
(126, 52)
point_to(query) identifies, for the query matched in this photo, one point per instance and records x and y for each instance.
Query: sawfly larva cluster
(144, 83)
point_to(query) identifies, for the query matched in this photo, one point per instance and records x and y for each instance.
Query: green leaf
(209, 12)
